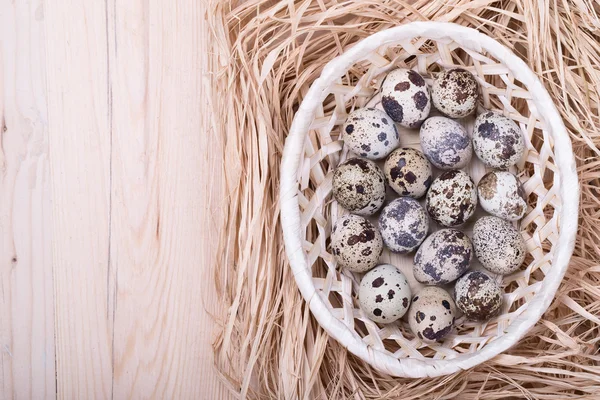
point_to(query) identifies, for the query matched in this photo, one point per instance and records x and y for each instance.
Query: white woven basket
(313, 149)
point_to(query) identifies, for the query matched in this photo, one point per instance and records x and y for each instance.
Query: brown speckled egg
(403, 225)
(405, 97)
(500, 194)
(431, 314)
(408, 172)
(478, 296)
(443, 257)
(452, 198)
(359, 186)
(498, 245)
(384, 294)
(356, 243)
(497, 140)
(455, 93)
(445, 143)
(370, 133)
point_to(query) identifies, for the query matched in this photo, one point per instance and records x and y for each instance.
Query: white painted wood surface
(110, 198)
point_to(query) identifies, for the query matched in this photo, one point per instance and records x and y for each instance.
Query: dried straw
(265, 56)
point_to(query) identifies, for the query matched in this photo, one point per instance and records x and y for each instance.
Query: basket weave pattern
(392, 348)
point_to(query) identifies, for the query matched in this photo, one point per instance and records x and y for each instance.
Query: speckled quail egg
(445, 143)
(359, 186)
(384, 294)
(431, 314)
(498, 245)
(371, 133)
(452, 198)
(408, 172)
(500, 194)
(405, 97)
(356, 243)
(403, 224)
(443, 257)
(497, 140)
(455, 93)
(478, 296)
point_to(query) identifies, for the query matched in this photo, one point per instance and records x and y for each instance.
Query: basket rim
(291, 217)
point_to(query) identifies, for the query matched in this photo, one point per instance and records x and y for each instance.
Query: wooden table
(110, 201)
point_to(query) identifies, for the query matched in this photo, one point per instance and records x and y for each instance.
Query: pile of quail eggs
(444, 257)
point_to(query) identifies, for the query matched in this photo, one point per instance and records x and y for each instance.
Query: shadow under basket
(314, 148)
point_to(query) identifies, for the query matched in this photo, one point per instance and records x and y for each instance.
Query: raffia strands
(265, 55)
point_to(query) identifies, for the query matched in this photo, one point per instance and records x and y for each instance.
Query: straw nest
(265, 56)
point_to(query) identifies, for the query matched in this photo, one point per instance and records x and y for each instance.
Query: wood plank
(26, 290)
(166, 183)
(79, 130)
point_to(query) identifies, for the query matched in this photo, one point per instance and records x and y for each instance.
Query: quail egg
(405, 97)
(431, 314)
(371, 133)
(452, 198)
(403, 224)
(445, 143)
(478, 296)
(497, 140)
(359, 186)
(500, 194)
(443, 257)
(455, 93)
(384, 294)
(498, 245)
(408, 172)
(356, 243)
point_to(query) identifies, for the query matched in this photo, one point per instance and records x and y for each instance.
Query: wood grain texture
(79, 130)
(160, 233)
(110, 201)
(26, 290)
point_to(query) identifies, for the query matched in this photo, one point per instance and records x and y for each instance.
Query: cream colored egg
(431, 315)
(443, 257)
(497, 140)
(445, 143)
(452, 198)
(356, 243)
(370, 133)
(405, 97)
(384, 294)
(498, 245)
(403, 225)
(500, 194)
(359, 186)
(478, 296)
(455, 93)
(408, 172)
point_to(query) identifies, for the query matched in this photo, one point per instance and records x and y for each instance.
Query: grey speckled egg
(498, 245)
(500, 194)
(445, 143)
(359, 186)
(405, 97)
(497, 140)
(384, 294)
(403, 224)
(408, 172)
(443, 257)
(455, 93)
(478, 296)
(452, 198)
(356, 243)
(431, 314)
(370, 133)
